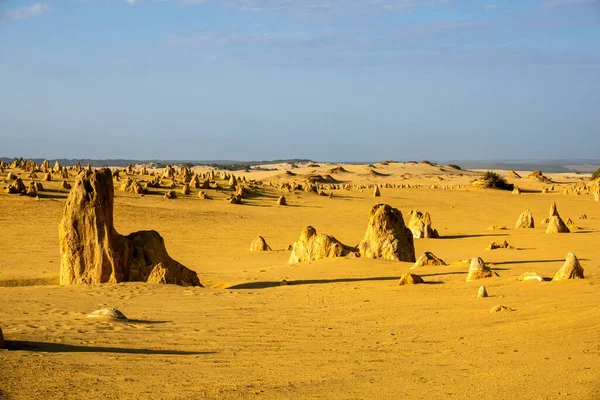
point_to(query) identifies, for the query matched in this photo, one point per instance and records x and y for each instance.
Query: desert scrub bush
(492, 180)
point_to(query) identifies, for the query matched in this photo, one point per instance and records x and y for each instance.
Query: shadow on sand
(533, 262)
(472, 236)
(13, 345)
(265, 284)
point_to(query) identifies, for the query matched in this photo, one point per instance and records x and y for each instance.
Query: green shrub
(492, 180)
(455, 166)
(596, 174)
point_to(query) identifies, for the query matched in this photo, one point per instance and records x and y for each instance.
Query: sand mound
(478, 270)
(513, 174)
(555, 223)
(410, 279)
(259, 244)
(500, 308)
(371, 173)
(339, 170)
(312, 246)
(108, 313)
(428, 259)
(376, 192)
(539, 176)
(321, 179)
(571, 269)
(93, 252)
(420, 225)
(525, 220)
(387, 237)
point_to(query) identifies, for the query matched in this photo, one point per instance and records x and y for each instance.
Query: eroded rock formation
(428, 259)
(420, 225)
(314, 246)
(259, 244)
(525, 220)
(571, 269)
(93, 252)
(387, 237)
(478, 270)
(555, 222)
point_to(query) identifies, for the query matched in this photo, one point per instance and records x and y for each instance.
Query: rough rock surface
(108, 313)
(426, 259)
(530, 276)
(387, 237)
(93, 252)
(525, 220)
(312, 246)
(259, 244)
(500, 308)
(482, 292)
(410, 279)
(478, 270)
(420, 225)
(281, 201)
(503, 245)
(555, 223)
(571, 269)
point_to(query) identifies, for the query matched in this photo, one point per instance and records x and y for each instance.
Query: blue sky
(321, 79)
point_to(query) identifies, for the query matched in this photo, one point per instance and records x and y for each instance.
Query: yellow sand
(341, 328)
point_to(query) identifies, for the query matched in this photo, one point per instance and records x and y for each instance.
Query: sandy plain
(340, 329)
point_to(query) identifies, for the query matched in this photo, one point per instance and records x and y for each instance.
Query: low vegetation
(491, 180)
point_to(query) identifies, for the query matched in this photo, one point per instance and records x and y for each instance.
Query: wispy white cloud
(311, 7)
(33, 10)
(491, 7)
(558, 3)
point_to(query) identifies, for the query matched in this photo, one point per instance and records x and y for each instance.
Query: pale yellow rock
(478, 270)
(530, 276)
(420, 225)
(93, 252)
(410, 279)
(571, 269)
(525, 220)
(108, 313)
(259, 244)
(428, 259)
(387, 237)
(312, 246)
(500, 308)
(482, 292)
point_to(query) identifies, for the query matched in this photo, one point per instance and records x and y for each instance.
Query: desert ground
(341, 328)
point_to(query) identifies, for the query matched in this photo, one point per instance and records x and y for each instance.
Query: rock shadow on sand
(271, 284)
(14, 345)
(532, 262)
(472, 236)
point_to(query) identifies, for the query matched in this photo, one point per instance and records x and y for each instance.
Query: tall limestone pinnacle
(93, 252)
